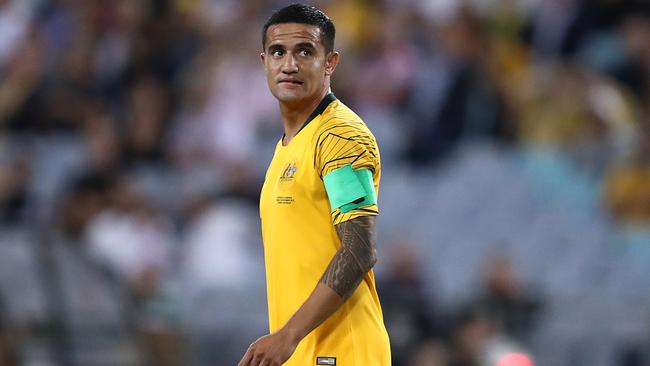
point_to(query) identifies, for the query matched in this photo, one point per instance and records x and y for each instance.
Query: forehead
(288, 34)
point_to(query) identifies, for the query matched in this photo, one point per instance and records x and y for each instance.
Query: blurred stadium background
(515, 195)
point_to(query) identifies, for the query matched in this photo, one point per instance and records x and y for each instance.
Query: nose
(289, 64)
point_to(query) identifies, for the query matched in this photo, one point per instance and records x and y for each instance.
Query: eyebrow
(305, 45)
(281, 46)
(277, 46)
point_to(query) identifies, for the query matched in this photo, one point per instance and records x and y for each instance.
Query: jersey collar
(320, 108)
(329, 98)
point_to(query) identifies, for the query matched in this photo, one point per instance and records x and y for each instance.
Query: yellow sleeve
(342, 142)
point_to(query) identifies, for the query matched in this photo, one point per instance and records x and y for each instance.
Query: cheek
(317, 70)
(270, 71)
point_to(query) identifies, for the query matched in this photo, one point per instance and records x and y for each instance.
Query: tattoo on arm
(355, 258)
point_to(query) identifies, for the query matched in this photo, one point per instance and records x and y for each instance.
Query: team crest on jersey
(289, 172)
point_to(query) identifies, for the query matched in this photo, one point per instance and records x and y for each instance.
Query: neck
(295, 115)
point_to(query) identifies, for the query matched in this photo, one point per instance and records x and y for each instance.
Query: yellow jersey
(300, 239)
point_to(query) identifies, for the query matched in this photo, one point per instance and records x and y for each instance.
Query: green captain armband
(349, 189)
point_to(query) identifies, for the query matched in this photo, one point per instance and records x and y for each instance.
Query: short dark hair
(303, 14)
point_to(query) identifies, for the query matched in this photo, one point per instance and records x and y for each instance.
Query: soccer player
(318, 208)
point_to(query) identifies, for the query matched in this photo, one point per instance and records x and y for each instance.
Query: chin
(289, 97)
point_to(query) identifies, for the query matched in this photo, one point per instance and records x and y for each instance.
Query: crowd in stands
(515, 203)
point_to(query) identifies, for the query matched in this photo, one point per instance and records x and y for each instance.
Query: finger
(245, 361)
(258, 359)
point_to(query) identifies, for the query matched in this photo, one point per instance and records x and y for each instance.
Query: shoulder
(343, 138)
(340, 122)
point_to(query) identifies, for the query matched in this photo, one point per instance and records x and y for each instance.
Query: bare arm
(355, 257)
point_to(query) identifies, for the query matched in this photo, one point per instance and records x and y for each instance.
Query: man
(318, 208)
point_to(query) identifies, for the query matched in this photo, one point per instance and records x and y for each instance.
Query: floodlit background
(515, 193)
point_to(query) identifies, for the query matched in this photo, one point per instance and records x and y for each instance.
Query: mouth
(290, 82)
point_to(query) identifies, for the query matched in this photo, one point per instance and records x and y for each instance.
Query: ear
(262, 57)
(331, 62)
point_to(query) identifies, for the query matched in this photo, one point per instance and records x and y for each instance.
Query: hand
(270, 350)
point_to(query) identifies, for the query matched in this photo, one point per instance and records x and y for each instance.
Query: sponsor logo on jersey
(326, 361)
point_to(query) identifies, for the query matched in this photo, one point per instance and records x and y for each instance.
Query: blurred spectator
(148, 115)
(469, 336)
(558, 27)
(585, 115)
(82, 201)
(452, 97)
(430, 353)
(627, 188)
(22, 91)
(104, 150)
(130, 238)
(505, 302)
(388, 60)
(221, 250)
(226, 101)
(218, 237)
(476, 341)
(410, 316)
(134, 243)
(14, 178)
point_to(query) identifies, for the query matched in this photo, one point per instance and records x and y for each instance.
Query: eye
(305, 52)
(277, 53)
